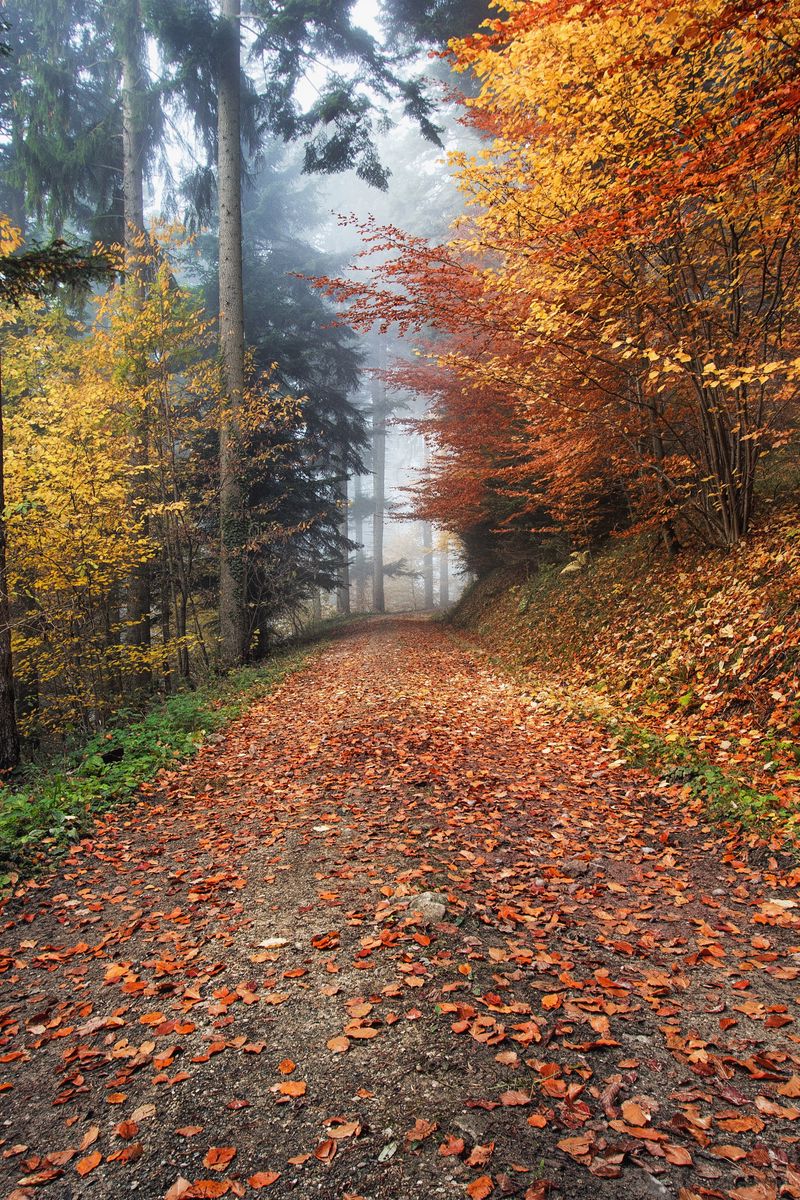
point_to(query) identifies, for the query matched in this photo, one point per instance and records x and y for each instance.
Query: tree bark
(379, 488)
(444, 576)
(343, 590)
(9, 735)
(132, 48)
(232, 555)
(427, 564)
(360, 571)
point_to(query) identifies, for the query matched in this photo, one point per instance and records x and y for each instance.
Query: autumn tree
(25, 276)
(627, 276)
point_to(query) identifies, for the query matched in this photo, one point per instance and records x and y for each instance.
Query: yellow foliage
(83, 507)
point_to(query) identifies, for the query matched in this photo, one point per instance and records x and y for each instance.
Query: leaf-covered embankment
(693, 662)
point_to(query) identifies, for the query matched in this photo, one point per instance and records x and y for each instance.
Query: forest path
(230, 983)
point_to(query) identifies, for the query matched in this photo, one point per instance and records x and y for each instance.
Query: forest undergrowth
(50, 804)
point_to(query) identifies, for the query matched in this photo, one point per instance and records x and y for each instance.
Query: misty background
(304, 224)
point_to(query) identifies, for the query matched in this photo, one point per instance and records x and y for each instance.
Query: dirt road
(400, 935)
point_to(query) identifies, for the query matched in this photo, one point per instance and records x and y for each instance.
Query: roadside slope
(693, 661)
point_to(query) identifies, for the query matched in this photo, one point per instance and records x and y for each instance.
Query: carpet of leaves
(705, 647)
(399, 934)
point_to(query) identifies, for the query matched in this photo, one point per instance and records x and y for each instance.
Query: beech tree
(620, 313)
(24, 276)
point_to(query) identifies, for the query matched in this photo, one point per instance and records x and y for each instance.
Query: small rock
(431, 906)
(473, 1125)
(575, 866)
(654, 1186)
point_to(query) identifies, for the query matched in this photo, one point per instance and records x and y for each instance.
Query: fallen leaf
(452, 1145)
(263, 1179)
(292, 1087)
(87, 1164)
(218, 1157)
(480, 1188)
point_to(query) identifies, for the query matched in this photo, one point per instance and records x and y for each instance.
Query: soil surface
(398, 934)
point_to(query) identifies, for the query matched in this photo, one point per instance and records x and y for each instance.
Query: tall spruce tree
(233, 531)
(60, 159)
(433, 21)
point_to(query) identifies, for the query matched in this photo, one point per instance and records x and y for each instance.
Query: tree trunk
(360, 572)
(379, 488)
(343, 590)
(9, 736)
(232, 554)
(427, 564)
(166, 632)
(444, 576)
(131, 38)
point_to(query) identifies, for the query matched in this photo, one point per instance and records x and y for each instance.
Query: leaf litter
(228, 988)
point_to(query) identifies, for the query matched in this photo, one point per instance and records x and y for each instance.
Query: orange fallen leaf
(634, 1114)
(344, 1129)
(87, 1164)
(732, 1153)
(90, 1137)
(480, 1188)
(127, 1154)
(292, 1087)
(480, 1155)
(325, 1150)
(577, 1147)
(679, 1156)
(355, 1030)
(263, 1179)
(207, 1189)
(218, 1157)
(126, 1130)
(451, 1145)
(419, 1131)
(287, 1066)
(359, 1010)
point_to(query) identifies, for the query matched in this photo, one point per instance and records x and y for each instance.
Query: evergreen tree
(293, 336)
(433, 21)
(62, 157)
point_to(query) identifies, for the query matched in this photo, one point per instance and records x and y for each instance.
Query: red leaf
(218, 1157)
(480, 1188)
(263, 1179)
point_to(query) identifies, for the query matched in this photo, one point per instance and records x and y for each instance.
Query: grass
(51, 806)
(727, 798)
